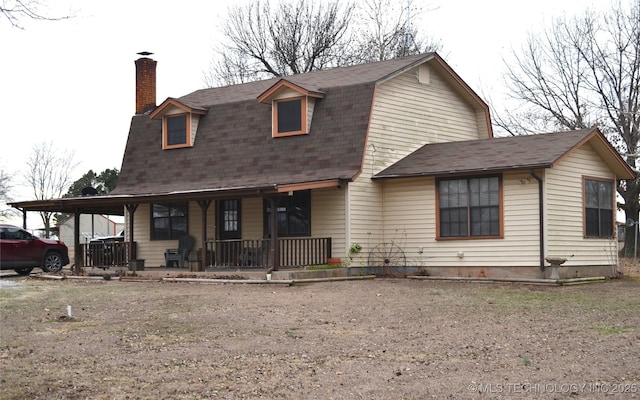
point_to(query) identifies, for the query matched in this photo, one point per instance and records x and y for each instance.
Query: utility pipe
(541, 217)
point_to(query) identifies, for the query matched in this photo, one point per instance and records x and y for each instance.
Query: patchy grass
(612, 330)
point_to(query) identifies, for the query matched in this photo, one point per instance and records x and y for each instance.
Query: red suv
(21, 251)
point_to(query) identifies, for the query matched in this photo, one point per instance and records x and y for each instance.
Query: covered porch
(213, 249)
(220, 254)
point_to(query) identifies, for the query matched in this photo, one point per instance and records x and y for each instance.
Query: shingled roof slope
(318, 81)
(234, 148)
(488, 155)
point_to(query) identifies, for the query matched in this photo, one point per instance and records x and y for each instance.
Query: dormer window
(292, 107)
(176, 131)
(290, 116)
(179, 123)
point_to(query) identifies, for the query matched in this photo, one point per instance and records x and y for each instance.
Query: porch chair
(181, 254)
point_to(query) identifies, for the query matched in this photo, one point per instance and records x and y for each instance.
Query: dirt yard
(368, 339)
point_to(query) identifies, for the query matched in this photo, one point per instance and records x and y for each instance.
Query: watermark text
(538, 388)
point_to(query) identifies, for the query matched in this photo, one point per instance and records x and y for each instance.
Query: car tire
(23, 271)
(52, 262)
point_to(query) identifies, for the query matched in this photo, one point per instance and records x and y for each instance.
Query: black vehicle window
(15, 234)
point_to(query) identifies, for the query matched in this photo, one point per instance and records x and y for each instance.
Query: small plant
(324, 266)
(106, 277)
(526, 361)
(355, 248)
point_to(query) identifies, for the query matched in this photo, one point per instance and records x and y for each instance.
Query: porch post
(275, 251)
(77, 252)
(131, 208)
(204, 206)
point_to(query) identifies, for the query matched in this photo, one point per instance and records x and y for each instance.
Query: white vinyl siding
(152, 251)
(406, 115)
(252, 218)
(195, 120)
(365, 212)
(565, 208)
(328, 218)
(410, 221)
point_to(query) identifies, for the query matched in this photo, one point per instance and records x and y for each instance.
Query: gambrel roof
(235, 151)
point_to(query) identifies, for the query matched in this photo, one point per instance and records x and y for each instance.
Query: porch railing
(106, 254)
(255, 253)
(304, 251)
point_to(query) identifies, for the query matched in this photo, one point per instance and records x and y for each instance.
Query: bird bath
(555, 263)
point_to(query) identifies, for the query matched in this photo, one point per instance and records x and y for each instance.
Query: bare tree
(386, 30)
(16, 10)
(583, 72)
(291, 38)
(5, 197)
(49, 176)
(297, 36)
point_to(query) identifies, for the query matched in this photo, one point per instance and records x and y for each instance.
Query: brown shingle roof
(234, 147)
(490, 155)
(317, 81)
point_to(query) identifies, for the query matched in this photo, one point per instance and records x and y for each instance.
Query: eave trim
(268, 94)
(159, 111)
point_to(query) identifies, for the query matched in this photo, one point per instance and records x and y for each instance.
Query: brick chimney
(145, 83)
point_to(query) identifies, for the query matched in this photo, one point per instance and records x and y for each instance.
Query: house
(91, 226)
(390, 164)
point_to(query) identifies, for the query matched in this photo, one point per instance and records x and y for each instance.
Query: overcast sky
(73, 82)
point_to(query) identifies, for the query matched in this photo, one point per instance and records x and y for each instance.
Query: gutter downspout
(541, 218)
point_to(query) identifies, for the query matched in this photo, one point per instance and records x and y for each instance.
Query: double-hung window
(598, 208)
(169, 221)
(469, 207)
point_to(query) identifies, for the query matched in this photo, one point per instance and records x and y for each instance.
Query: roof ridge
(314, 80)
